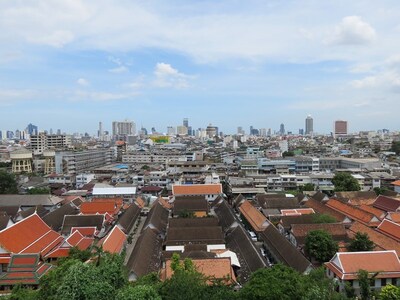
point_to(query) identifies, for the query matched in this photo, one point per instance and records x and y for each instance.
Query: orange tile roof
(139, 201)
(256, 219)
(85, 231)
(90, 208)
(393, 216)
(219, 268)
(380, 240)
(164, 203)
(29, 234)
(375, 211)
(396, 183)
(353, 212)
(197, 189)
(323, 209)
(390, 228)
(114, 241)
(347, 264)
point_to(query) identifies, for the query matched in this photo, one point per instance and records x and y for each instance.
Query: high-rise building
(171, 130)
(282, 129)
(309, 125)
(186, 122)
(240, 130)
(182, 130)
(31, 129)
(263, 131)
(123, 128)
(100, 132)
(340, 127)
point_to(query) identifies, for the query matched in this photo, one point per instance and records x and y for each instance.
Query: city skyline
(72, 64)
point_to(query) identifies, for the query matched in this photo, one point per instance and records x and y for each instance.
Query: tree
(39, 191)
(380, 190)
(361, 242)
(185, 283)
(365, 281)
(344, 182)
(186, 214)
(396, 147)
(278, 282)
(323, 218)
(308, 187)
(139, 292)
(164, 192)
(288, 154)
(320, 245)
(390, 292)
(8, 185)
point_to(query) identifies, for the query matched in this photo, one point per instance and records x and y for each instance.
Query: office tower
(170, 130)
(31, 129)
(100, 132)
(309, 125)
(182, 130)
(186, 122)
(282, 129)
(240, 130)
(123, 128)
(58, 131)
(301, 131)
(269, 132)
(340, 127)
(263, 131)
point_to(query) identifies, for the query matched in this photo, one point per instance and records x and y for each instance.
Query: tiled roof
(256, 219)
(336, 230)
(284, 251)
(390, 228)
(357, 198)
(396, 183)
(393, 216)
(323, 209)
(82, 221)
(85, 231)
(347, 264)
(197, 189)
(219, 268)
(185, 203)
(129, 217)
(279, 203)
(157, 218)
(192, 222)
(382, 241)
(380, 214)
(30, 234)
(91, 208)
(139, 201)
(55, 218)
(164, 203)
(114, 241)
(386, 203)
(225, 214)
(353, 212)
(194, 235)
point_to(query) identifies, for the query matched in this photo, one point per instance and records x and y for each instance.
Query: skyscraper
(31, 129)
(186, 122)
(123, 128)
(340, 127)
(309, 125)
(282, 129)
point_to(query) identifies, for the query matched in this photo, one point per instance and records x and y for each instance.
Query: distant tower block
(21, 161)
(49, 161)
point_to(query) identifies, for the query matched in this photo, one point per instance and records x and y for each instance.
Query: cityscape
(199, 150)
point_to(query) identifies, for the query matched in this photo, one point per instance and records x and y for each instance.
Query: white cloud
(167, 76)
(101, 96)
(352, 30)
(58, 38)
(120, 69)
(82, 82)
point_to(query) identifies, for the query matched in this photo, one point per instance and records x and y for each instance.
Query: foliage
(390, 292)
(145, 167)
(38, 191)
(323, 218)
(8, 184)
(288, 154)
(308, 187)
(139, 292)
(278, 282)
(320, 245)
(164, 192)
(185, 283)
(396, 147)
(361, 242)
(5, 164)
(186, 214)
(20, 293)
(344, 182)
(364, 282)
(379, 191)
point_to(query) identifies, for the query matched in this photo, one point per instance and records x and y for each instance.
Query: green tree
(365, 284)
(39, 191)
(361, 242)
(308, 187)
(278, 282)
(396, 147)
(139, 292)
(379, 191)
(164, 192)
(320, 245)
(344, 182)
(186, 214)
(323, 218)
(8, 185)
(390, 292)
(185, 283)
(20, 293)
(288, 154)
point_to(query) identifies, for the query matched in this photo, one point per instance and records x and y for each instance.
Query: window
(383, 281)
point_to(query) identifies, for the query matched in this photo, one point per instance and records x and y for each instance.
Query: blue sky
(69, 64)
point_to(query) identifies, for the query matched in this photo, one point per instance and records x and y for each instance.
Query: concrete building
(181, 130)
(79, 162)
(123, 128)
(309, 125)
(340, 127)
(21, 161)
(43, 141)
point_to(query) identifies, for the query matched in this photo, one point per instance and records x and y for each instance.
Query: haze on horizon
(69, 64)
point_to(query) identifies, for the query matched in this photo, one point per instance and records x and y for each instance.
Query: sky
(69, 64)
